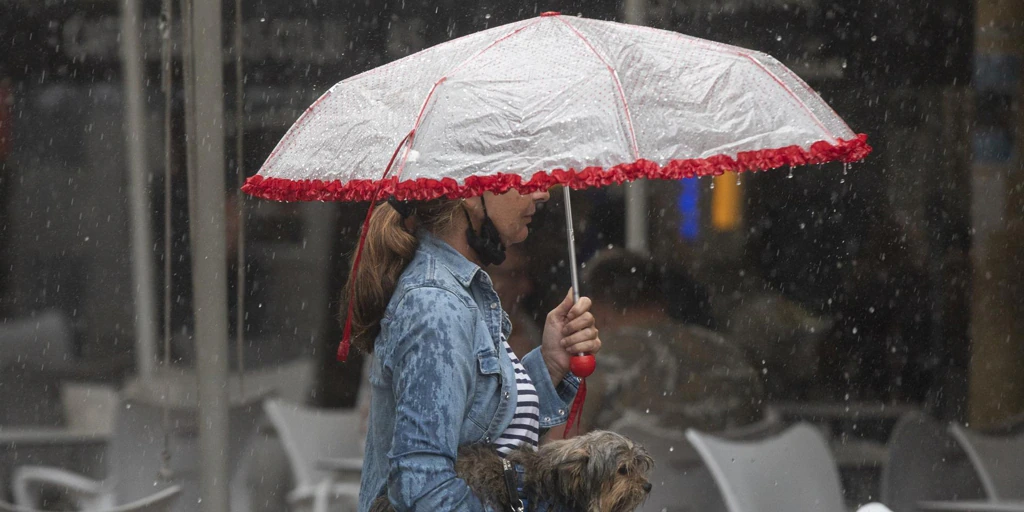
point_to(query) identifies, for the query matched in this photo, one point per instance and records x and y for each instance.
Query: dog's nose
(647, 487)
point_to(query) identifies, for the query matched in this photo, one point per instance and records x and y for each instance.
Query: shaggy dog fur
(598, 472)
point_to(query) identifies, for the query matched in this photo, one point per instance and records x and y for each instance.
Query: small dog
(597, 472)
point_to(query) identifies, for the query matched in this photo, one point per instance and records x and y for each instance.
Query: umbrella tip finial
(551, 13)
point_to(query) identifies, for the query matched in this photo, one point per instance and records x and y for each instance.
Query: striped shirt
(525, 426)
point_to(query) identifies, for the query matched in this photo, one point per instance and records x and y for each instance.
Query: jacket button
(561, 411)
(506, 394)
(494, 305)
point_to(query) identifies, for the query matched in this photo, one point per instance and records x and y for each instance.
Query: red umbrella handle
(582, 365)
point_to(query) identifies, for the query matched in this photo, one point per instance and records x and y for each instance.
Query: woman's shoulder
(426, 276)
(421, 312)
(431, 299)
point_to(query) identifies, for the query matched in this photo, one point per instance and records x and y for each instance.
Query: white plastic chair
(999, 461)
(793, 471)
(310, 436)
(681, 482)
(925, 463)
(133, 455)
(156, 502)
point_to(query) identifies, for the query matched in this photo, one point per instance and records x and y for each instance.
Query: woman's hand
(568, 331)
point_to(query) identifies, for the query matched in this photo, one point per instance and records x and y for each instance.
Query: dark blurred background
(914, 76)
(900, 275)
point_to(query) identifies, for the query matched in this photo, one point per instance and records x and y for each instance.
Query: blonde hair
(388, 249)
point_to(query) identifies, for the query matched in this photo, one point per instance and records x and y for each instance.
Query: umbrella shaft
(572, 246)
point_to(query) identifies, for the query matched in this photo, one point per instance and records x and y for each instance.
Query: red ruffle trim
(423, 189)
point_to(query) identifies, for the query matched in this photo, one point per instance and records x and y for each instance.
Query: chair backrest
(793, 471)
(925, 463)
(310, 434)
(156, 502)
(680, 479)
(89, 408)
(999, 461)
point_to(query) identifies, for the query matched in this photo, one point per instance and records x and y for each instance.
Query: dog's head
(600, 472)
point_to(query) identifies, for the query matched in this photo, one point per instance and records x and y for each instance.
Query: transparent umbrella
(546, 101)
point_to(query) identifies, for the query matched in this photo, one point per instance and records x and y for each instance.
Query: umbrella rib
(810, 91)
(743, 52)
(618, 85)
(791, 93)
(488, 47)
(430, 94)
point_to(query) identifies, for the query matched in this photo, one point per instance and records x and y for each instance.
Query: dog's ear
(573, 476)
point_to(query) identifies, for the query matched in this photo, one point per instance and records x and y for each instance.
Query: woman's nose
(541, 196)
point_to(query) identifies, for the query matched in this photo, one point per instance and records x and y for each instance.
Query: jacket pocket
(488, 363)
(483, 405)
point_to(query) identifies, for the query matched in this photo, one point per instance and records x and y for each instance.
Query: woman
(443, 374)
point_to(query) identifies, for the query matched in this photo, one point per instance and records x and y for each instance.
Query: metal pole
(166, 84)
(636, 216)
(188, 85)
(571, 237)
(208, 256)
(144, 290)
(239, 200)
(636, 192)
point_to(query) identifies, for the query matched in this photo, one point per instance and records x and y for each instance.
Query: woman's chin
(519, 238)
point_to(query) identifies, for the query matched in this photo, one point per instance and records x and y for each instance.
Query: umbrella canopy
(552, 100)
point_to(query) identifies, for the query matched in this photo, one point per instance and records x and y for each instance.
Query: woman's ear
(475, 210)
(473, 203)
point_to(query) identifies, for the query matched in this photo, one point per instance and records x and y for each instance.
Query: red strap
(346, 335)
(576, 410)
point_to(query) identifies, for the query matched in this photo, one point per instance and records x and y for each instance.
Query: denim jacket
(440, 379)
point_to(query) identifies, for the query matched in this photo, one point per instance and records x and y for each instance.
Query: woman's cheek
(521, 233)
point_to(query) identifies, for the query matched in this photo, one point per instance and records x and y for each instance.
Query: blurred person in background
(782, 338)
(673, 374)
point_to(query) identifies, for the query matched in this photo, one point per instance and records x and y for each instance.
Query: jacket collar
(461, 268)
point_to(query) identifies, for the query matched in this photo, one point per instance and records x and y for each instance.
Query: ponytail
(388, 249)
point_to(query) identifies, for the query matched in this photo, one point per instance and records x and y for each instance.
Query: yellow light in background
(725, 203)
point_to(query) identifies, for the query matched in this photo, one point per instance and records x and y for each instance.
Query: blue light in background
(689, 209)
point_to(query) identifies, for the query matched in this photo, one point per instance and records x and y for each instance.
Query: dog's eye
(623, 470)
